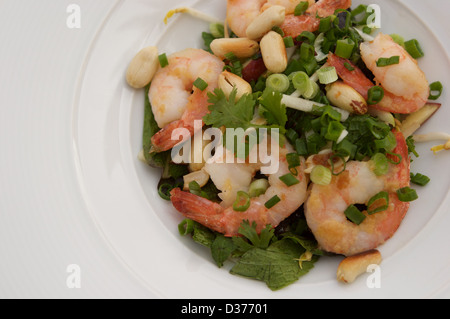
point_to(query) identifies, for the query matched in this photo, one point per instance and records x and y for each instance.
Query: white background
(44, 226)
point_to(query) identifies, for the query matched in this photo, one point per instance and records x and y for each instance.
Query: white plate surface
(140, 229)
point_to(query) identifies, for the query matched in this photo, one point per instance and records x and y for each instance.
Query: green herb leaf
(226, 112)
(274, 110)
(221, 249)
(260, 241)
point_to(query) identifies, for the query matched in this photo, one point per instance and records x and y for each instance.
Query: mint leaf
(221, 249)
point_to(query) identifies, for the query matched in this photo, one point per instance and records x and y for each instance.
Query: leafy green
(274, 111)
(226, 112)
(221, 249)
(260, 241)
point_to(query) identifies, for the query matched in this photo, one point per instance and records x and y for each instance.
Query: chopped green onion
(288, 42)
(327, 75)
(354, 215)
(348, 66)
(419, 179)
(291, 135)
(278, 82)
(375, 95)
(301, 82)
(186, 227)
(289, 180)
(334, 131)
(272, 202)
(321, 175)
(346, 148)
(414, 49)
(194, 188)
(311, 37)
(242, 202)
(388, 143)
(301, 8)
(381, 164)
(278, 30)
(373, 200)
(258, 187)
(200, 84)
(325, 24)
(163, 61)
(301, 147)
(217, 30)
(382, 62)
(398, 39)
(407, 194)
(307, 51)
(312, 90)
(331, 161)
(164, 191)
(436, 87)
(344, 48)
(293, 160)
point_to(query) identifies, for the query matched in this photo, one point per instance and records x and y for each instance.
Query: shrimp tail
(198, 209)
(165, 140)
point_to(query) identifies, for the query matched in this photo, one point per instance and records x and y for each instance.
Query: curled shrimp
(176, 102)
(406, 88)
(325, 207)
(240, 14)
(230, 178)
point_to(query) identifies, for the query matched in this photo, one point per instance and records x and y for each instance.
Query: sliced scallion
(419, 179)
(383, 62)
(301, 82)
(288, 42)
(436, 87)
(301, 8)
(381, 164)
(407, 194)
(278, 82)
(344, 48)
(272, 202)
(258, 187)
(354, 215)
(289, 180)
(242, 202)
(414, 49)
(381, 208)
(200, 84)
(327, 75)
(398, 39)
(186, 227)
(321, 175)
(375, 95)
(163, 61)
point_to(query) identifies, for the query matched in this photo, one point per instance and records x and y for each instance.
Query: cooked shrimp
(240, 13)
(405, 85)
(294, 25)
(230, 178)
(324, 209)
(176, 103)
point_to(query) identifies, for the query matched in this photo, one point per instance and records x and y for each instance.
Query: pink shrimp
(223, 218)
(405, 85)
(240, 13)
(324, 209)
(176, 103)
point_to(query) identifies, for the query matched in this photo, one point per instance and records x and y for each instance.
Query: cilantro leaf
(274, 110)
(227, 112)
(262, 240)
(221, 249)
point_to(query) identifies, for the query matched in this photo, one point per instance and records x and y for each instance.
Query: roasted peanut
(347, 98)
(273, 51)
(201, 177)
(143, 67)
(273, 16)
(353, 267)
(415, 120)
(228, 81)
(241, 47)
